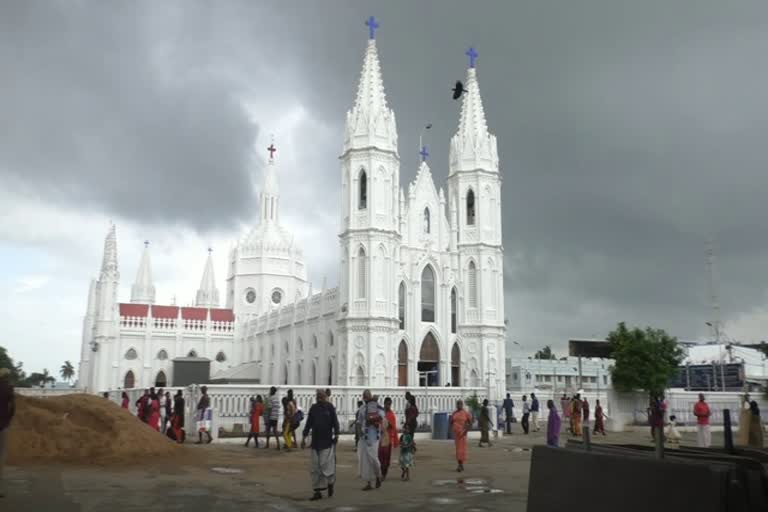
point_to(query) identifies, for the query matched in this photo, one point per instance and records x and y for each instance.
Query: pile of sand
(83, 429)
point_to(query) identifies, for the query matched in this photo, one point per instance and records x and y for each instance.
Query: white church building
(420, 301)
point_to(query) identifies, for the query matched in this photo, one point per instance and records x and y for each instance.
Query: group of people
(268, 413)
(750, 427)
(378, 435)
(161, 412)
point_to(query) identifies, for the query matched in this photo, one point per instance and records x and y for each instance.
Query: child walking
(407, 449)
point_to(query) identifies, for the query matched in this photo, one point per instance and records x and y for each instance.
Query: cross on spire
(146, 243)
(272, 149)
(210, 250)
(424, 154)
(473, 55)
(372, 26)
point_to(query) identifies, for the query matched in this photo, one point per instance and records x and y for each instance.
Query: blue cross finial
(372, 26)
(473, 55)
(210, 250)
(424, 154)
(146, 243)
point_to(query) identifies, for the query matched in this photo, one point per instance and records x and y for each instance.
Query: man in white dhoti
(369, 417)
(324, 425)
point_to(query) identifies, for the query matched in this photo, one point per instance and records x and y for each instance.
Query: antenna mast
(713, 288)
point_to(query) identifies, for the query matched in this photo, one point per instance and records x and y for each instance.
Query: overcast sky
(629, 133)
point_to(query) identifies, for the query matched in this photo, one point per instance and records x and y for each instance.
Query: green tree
(544, 353)
(46, 378)
(17, 374)
(67, 371)
(645, 359)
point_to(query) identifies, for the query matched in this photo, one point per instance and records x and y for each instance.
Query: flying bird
(458, 90)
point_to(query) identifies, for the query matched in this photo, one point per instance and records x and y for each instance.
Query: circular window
(277, 297)
(250, 296)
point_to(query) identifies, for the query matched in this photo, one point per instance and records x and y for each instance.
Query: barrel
(440, 425)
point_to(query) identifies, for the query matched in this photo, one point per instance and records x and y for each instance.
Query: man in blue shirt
(508, 405)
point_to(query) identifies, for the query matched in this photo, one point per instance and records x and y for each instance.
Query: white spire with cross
(208, 294)
(473, 146)
(371, 123)
(143, 290)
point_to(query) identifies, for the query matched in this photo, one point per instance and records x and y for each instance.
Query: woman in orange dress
(461, 420)
(257, 411)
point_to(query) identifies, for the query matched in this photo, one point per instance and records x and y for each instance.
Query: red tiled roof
(142, 310)
(165, 311)
(133, 309)
(194, 313)
(222, 315)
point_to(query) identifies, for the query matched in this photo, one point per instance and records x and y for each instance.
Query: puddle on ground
(444, 501)
(192, 491)
(471, 485)
(227, 471)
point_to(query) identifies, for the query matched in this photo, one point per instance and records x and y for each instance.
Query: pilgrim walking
(323, 423)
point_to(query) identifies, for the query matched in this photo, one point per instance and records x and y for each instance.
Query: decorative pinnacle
(372, 26)
(473, 55)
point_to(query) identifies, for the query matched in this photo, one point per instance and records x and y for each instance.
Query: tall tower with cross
(266, 269)
(370, 169)
(474, 188)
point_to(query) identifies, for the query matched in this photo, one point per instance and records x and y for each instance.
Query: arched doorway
(429, 362)
(161, 381)
(402, 364)
(330, 370)
(360, 376)
(313, 374)
(285, 375)
(129, 382)
(456, 365)
(299, 380)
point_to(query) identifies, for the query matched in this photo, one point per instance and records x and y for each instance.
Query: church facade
(420, 299)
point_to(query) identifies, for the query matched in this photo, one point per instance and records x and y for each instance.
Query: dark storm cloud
(100, 110)
(629, 132)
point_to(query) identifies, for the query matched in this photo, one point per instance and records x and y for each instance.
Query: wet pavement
(234, 478)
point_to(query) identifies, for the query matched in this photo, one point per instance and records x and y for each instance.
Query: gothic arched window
(428, 294)
(401, 305)
(131, 354)
(362, 274)
(453, 310)
(472, 284)
(192, 353)
(470, 208)
(426, 220)
(162, 355)
(220, 357)
(362, 202)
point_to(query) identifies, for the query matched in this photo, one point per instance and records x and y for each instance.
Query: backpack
(298, 417)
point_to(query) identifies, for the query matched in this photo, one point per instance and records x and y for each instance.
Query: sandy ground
(496, 478)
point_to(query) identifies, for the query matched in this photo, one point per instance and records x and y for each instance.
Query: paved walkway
(233, 478)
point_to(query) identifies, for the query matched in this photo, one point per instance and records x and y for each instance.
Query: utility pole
(715, 303)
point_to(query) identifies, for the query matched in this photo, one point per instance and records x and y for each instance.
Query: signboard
(709, 377)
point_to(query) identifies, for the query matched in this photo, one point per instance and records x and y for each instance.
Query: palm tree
(46, 377)
(67, 371)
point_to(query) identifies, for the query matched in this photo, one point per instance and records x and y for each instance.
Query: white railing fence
(231, 403)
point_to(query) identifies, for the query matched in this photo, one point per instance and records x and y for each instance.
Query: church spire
(143, 291)
(371, 123)
(208, 294)
(109, 259)
(473, 146)
(270, 191)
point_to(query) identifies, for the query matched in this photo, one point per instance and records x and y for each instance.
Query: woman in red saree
(126, 401)
(460, 421)
(154, 414)
(389, 440)
(257, 411)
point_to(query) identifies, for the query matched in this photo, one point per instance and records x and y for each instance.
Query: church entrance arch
(161, 381)
(429, 362)
(402, 364)
(456, 366)
(129, 382)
